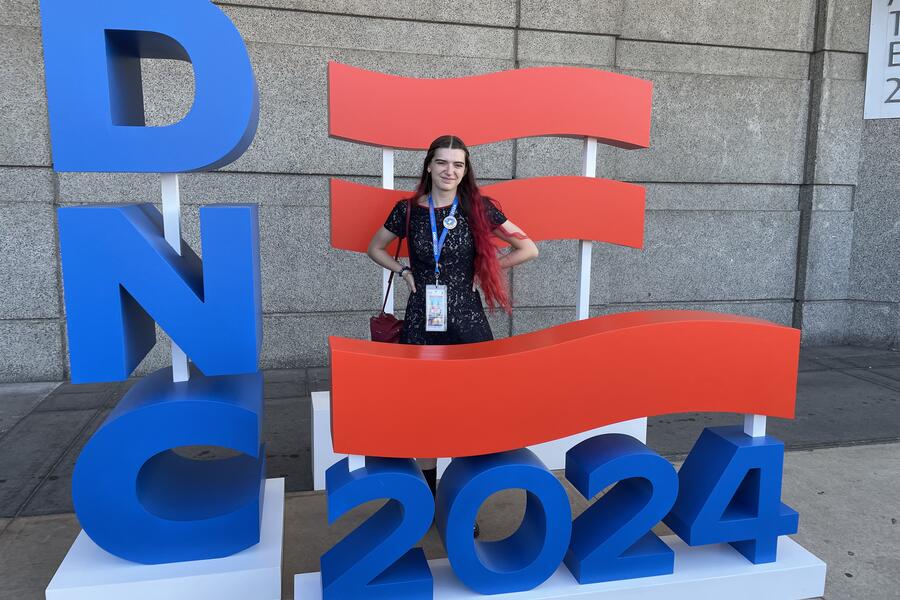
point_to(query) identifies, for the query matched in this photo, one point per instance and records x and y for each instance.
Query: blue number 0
(612, 540)
(375, 560)
(529, 556)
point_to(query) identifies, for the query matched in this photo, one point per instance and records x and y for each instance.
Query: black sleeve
(396, 221)
(495, 215)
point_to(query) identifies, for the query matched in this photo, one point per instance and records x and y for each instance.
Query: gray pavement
(840, 471)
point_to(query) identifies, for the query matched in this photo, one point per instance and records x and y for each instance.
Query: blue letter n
(120, 276)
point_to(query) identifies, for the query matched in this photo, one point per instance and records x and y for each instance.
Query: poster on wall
(883, 71)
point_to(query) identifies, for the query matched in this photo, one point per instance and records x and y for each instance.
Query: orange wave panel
(405, 112)
(396, 400)
(546, 208)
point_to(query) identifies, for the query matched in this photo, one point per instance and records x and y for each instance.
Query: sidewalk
(840, 473)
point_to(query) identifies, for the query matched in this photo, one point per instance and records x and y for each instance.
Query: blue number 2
(730, 491)
(612, 540)
(375, 560)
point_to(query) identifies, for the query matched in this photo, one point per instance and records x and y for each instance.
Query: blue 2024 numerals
(727, 491)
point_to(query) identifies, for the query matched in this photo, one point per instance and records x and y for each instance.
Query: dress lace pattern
(466, 321)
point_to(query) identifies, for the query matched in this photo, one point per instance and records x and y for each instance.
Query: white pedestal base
(553, 454)
(90, 573)
(715, 571)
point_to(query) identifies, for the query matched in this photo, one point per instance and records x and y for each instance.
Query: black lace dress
(466, 322)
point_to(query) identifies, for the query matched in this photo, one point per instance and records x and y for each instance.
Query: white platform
(553, 454)
(90, 573)
(713, 572)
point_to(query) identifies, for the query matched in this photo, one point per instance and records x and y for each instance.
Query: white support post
(171, 204)
(583, 303)
(355, 461)
(385, 279)
(585, 247)
(755, 425)
(589, 167)
(387, 182)
(387, 168)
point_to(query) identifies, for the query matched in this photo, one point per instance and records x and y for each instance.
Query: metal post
(171, 204)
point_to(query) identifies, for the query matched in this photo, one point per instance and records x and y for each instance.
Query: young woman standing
(450, 243)
(451, 252)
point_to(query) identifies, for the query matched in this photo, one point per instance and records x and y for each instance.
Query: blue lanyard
(439, 243)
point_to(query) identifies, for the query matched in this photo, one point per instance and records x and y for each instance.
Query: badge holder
(436, 307)
(436, 295)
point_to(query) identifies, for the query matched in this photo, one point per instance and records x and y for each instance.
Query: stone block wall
(767, 193)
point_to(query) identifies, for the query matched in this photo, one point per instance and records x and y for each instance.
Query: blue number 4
(730, 491)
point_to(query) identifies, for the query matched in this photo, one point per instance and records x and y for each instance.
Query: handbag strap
(397, 255)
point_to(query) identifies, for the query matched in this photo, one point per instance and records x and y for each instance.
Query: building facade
(767, 192)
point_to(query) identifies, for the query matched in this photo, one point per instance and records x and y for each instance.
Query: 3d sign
(549, 384)
(133, 495)
(543, 386)
(125, 269)
(390, 114)
(121, 276)
(141, 501)
(92, 59)
(560, 381)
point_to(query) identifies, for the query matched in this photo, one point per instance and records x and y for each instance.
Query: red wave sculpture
(404, 112)
(396, 400)
(608, 211)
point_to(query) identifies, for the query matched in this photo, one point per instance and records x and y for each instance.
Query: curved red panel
(404, 112)
(607, 211)
(429, 401)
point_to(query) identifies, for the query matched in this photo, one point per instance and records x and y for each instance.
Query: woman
(464, 223)
(451, 249)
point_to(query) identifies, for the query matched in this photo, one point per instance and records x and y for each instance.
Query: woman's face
(447, 168)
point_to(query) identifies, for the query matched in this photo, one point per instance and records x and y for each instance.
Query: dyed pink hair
(487, 267)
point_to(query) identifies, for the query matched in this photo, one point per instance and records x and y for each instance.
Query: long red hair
(487, 267)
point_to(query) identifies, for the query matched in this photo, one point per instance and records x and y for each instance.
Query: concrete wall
(873, 314)
(757, 201)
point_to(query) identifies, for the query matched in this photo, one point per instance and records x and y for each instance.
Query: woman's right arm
(377, 251)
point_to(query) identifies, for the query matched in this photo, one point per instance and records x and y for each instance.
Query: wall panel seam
(638, 70)
(37, 320)
(809, 150)
(417, 52)
(515, 157)
(708, 45)
(361, 16)
(61, 308)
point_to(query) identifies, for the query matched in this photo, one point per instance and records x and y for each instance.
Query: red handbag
(385, 327)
